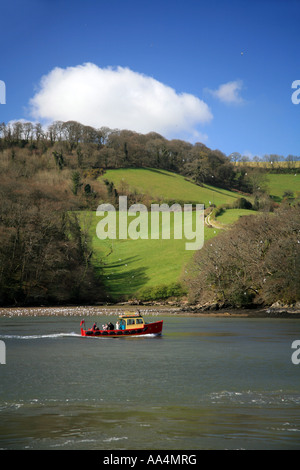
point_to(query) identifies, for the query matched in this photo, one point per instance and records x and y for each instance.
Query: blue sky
(214, 71)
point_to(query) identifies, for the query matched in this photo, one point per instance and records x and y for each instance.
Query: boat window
(139, 321)
(130, 321)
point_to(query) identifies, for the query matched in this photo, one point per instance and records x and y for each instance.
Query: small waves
(110, 439)
(50, 404)
(29, 337)
(72, 335)
(252, 398)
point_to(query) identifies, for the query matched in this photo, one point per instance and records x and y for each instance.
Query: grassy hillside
(232, 215)
(168, 186)
(279, 183)
(129, 266)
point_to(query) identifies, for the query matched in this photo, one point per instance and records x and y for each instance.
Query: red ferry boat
(127, 325)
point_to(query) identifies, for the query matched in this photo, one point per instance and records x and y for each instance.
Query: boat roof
(130, 315)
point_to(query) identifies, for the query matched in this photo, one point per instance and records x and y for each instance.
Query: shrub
(242, 203)
(161, 292)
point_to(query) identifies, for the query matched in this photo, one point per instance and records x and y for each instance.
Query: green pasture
(232, 215)
(127, 266)
(167, 186)
(279, 183)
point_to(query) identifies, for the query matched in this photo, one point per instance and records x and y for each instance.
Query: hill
(136, 268)
(51, 180)
(133, 268)
(279, 184)
(150, 268)
(167, 186)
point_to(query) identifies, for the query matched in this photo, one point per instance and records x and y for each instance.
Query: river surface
(206, 383)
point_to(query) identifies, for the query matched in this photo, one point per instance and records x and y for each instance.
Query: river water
(206, 383)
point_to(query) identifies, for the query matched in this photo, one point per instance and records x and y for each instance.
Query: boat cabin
(131, 322)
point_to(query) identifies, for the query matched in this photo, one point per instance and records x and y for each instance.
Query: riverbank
(274, 311)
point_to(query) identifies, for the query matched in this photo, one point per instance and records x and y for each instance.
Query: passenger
(111, 326)
(94, 327)
(117, 325)
(105, 327)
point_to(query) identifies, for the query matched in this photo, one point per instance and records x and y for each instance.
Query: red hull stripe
(150, 328)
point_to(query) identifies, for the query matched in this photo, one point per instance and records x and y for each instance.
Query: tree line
(84, 147)
(272, 162)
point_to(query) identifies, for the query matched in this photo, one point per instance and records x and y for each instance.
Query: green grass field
(169, 186)
(269, 165)
(279, 183)
(129, 266)
(232, 215)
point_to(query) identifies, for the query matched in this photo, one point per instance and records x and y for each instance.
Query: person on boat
(117, 325)
(94, 327)
(105, 327)
(110, 326)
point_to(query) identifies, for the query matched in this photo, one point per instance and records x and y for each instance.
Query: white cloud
(117, 98)
(229, 92)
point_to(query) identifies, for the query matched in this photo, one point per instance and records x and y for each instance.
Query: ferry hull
(147, 329)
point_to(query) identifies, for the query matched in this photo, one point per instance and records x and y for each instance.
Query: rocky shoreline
(174, 308)
(276, 310)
